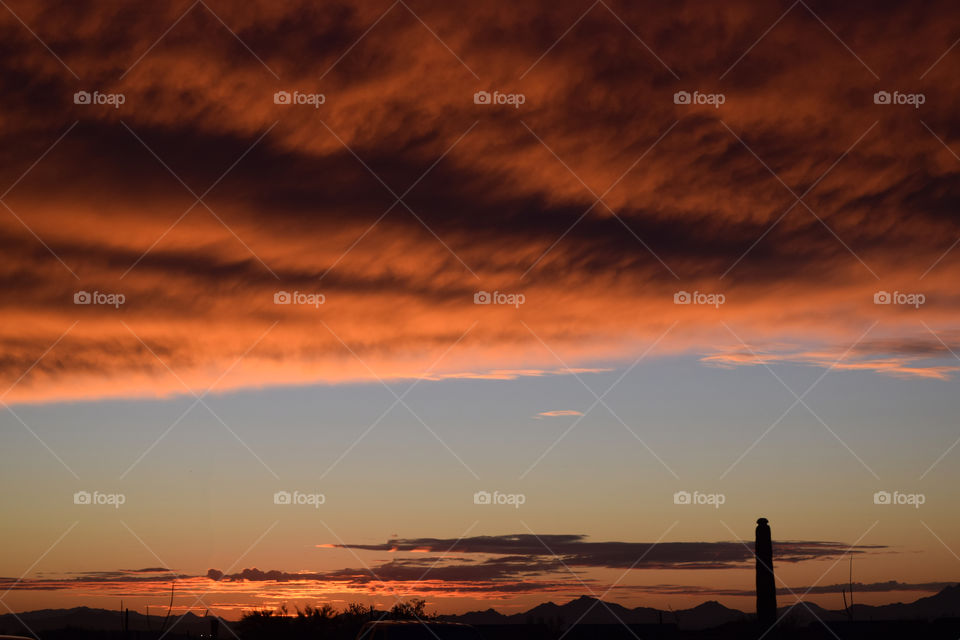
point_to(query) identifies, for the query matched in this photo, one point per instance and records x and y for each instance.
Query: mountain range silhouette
(589, 610)
(584, 610)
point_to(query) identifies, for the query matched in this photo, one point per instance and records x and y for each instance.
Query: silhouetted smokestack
(766, 587)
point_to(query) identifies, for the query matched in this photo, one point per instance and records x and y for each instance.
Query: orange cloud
(399, 199)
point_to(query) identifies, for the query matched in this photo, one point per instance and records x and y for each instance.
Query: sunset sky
(384, 256)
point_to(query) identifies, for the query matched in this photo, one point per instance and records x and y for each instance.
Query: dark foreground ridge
(936, 616)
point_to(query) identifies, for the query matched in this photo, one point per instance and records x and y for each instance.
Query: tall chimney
(766, 587)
